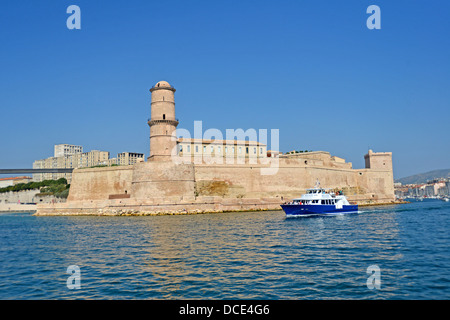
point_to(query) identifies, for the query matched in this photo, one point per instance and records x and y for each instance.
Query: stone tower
(378, 160)
(162, 122)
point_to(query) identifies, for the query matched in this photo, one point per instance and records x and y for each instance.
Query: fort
(178, 179)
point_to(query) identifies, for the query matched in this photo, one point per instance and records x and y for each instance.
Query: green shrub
(48, 186)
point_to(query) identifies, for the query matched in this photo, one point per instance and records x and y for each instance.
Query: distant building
(71, 157)
(433, 188)
(129, 158)
(6, 182)
(221, 148)
(444, 190)
(62, 150)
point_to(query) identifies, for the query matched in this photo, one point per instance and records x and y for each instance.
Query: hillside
(424, 177)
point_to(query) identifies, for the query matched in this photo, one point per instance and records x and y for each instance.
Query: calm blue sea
(254, 255)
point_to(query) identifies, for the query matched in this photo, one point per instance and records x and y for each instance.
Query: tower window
(164, 117)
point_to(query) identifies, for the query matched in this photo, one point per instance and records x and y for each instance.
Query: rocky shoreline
(129, 212)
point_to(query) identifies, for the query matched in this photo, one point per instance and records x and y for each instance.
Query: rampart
(160, 185)
(165, 187)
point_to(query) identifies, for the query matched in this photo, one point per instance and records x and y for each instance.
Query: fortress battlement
(162, 185)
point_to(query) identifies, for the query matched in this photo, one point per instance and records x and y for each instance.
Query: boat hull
(293, 210)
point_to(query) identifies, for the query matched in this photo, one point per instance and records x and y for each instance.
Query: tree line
(58, 188)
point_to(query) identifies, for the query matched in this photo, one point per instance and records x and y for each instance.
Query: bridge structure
(35, 171)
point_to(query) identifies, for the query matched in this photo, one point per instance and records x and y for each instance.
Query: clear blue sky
(311, 69)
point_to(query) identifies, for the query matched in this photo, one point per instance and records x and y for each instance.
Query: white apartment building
(62, 150)
(129, 158)
(72, 157)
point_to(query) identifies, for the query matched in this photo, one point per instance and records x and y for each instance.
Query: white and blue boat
(318, 201)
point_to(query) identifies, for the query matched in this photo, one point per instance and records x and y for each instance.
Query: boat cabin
(315, 191)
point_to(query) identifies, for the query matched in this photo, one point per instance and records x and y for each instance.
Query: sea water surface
(250, 255)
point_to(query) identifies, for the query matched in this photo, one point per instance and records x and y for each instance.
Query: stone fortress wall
(162, 186)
